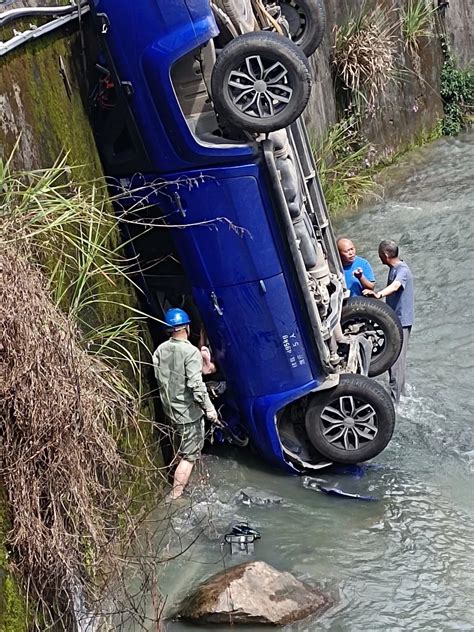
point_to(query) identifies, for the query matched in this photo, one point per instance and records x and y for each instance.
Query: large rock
(253, 592)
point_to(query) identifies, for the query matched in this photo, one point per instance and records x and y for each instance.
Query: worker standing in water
(178, 369)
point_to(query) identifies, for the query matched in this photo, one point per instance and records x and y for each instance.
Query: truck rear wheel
(379, 323)
(352, 422)
(307, 22)
(240, 13)
(261, 82)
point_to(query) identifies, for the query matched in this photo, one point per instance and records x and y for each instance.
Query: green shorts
(188, 439)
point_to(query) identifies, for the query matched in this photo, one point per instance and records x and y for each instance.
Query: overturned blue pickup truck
(197, 113)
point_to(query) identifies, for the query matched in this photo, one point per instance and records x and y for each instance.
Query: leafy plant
(416, 20)
(342, 159)
(457, 92)
(364, 54)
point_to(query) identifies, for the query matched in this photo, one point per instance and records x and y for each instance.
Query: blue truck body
(227, 211)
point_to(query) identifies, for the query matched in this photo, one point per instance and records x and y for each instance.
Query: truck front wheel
(261, 82)
(379, 323)
(352, 422)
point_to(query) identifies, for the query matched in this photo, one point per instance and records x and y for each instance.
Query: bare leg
(181, 477)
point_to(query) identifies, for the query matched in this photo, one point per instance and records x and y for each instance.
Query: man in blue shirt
(400, 296)
(357, 271)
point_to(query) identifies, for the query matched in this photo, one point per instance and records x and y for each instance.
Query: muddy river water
(405, 562)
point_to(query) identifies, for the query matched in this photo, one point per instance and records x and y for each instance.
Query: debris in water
(250, 496)
(313, 483)
(242, 538)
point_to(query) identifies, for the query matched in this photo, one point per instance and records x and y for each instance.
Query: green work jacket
(178, 370)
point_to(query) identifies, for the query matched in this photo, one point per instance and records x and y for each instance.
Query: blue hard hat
(176, 318)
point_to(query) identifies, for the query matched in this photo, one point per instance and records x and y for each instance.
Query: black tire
(361, 314)
(307, 22)
(354, 393)
(240, 13)
(246, 105)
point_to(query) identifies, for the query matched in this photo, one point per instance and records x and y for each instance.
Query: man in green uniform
(178, 370)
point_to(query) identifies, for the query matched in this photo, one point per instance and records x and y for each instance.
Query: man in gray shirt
(400, 296)
(178, 370)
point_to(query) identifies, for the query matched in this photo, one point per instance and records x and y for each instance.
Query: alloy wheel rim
(296, 19)
(349, 423)
(259, 87)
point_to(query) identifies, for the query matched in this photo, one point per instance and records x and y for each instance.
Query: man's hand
(371, 293)
(358, 272)
(213, 417)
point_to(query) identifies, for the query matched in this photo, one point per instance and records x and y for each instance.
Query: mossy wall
(412, 106)
(43, 99)
(43, 105)
(13, 613)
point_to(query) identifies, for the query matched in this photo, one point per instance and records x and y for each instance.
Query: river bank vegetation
(368, 56)
(80, 464)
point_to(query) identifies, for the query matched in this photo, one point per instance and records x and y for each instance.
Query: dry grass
(74, 445)
(364, 54)
(61, 469)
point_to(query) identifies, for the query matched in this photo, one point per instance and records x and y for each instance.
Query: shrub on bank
(457, 92)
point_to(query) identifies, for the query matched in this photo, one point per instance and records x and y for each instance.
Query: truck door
(255, 336)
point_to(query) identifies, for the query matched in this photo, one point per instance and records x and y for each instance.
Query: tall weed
(416, 19)
(342, 160)
(364, 54)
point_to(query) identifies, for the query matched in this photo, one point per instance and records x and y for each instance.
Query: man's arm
(390, 289)
(364, 281)
(399, 282)
(194, 381)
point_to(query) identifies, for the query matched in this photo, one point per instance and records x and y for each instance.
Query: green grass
(342, 161)
(69, 229)
(416, 21)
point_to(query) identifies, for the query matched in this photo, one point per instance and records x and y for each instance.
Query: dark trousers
(396, 373)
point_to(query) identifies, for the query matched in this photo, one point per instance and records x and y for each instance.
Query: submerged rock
(253, 592)
(251, 496)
